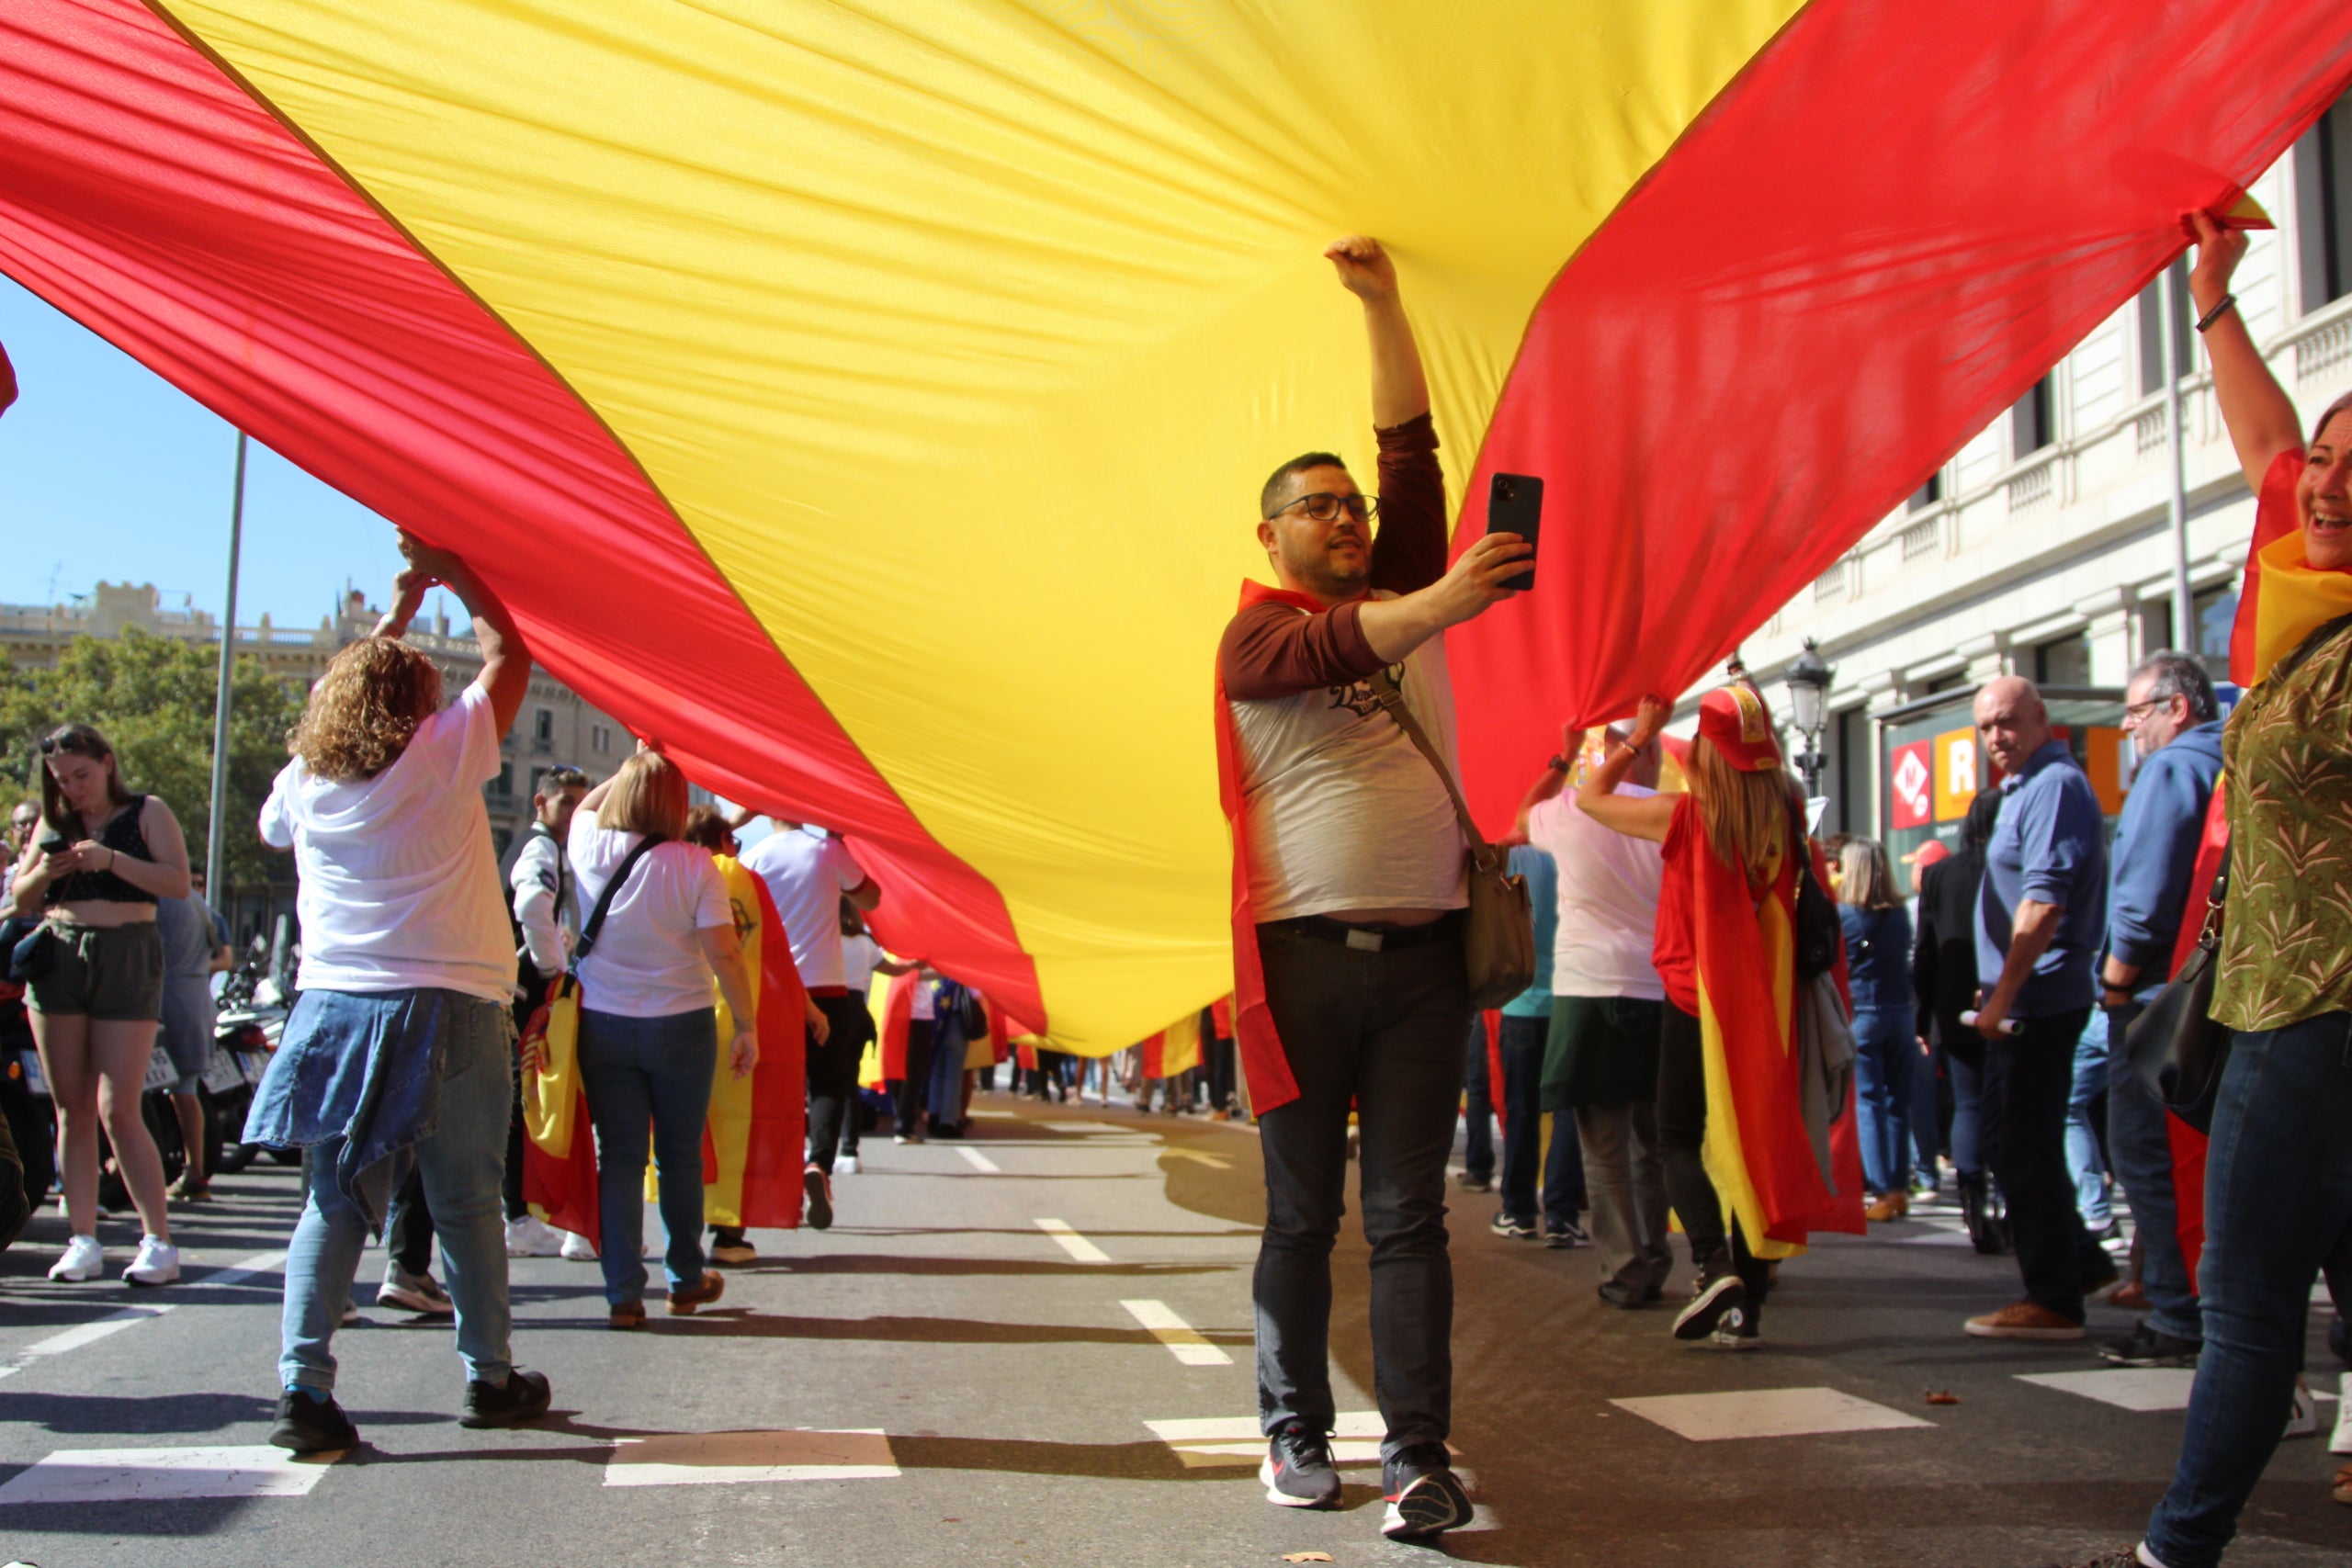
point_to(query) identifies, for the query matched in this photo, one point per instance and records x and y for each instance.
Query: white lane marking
(148, 1475)
(1214, 1162)
(994, 1115)
(1183, 1341)
(706, 1459)
(1070, 1241)
(1219, 1440)
(1766, 1412)
(114, 1323)
(978, 1160)
(2126, 1388)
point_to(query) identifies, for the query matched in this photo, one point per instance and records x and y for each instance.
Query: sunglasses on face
(1323, 506)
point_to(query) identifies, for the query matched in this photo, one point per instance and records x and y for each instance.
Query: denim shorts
(113, 974)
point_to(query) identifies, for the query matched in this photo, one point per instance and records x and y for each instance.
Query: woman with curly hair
(101, 861)
(399, 1055)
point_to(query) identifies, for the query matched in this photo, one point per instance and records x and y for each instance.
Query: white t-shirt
(807, 871)
(1342, 810)
(860, 954)
(1609, 886)
(399, 885)
(648, 961)
(926, 995)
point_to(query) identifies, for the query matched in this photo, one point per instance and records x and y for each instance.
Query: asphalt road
(943, 1376)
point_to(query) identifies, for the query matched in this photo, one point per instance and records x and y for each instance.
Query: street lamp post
(215, 837)
(1807, 678)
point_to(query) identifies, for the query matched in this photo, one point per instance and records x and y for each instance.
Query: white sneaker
(847, 1164)
(576, 1247)
(413, 1293)
(84, 1259)
(158, 1263)
(532, 1237)
(2303, 1421)
(2342, 1442)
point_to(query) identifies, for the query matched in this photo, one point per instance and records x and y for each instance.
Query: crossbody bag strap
(1391, 696)
(605, 899)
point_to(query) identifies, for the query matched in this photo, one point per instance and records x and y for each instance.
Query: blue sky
(106, 471)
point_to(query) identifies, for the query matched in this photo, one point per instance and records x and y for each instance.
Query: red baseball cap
(1737, 720)
(1927, 855)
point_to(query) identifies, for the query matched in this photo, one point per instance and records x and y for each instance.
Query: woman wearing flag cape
(2278, 1165)
(1731, 1108)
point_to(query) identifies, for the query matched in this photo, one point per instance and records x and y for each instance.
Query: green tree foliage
(154, 698)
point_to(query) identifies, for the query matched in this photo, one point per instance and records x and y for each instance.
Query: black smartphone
(1515, 505)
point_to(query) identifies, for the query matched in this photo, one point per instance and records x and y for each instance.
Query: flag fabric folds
(869, 403)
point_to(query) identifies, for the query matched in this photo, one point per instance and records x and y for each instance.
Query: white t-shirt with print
(398, 884)
(1608, 888)
(807, 871)
(648, 961)
(860, 954)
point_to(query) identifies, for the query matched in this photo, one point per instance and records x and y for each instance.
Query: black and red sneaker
(1297, 1471)
(1425, 1497)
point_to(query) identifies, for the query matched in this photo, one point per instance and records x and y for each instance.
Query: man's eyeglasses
(1323, 506)
(2137, 713)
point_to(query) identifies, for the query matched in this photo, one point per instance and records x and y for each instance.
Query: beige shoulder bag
(1499, 942)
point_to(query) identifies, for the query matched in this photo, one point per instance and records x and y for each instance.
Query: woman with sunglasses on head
(101, 860)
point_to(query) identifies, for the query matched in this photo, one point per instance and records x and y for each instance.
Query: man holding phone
(1348, 926)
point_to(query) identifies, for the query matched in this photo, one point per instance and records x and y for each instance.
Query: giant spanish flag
(868, 397)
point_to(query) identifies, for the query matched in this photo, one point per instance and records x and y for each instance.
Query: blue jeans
(641, 1070)
(1523, 1046)
(463, 1163)
(2141, 1150)
(2277, 1201)
(1479, 1105)
(1884, 1048)
(2084, 1162)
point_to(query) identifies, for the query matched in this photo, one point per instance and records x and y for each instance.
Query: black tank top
(121, 834)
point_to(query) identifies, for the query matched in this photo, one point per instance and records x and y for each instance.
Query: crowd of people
(1762, 1035)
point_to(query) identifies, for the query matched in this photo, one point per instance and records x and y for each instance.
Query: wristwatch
(1558, 764)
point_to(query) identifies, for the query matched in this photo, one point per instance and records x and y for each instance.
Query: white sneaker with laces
(845, 1165)
(575, 1247)
(84, 1258)
(158, 1263)
(532, 1237)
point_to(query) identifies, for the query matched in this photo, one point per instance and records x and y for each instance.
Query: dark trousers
(1563, 1196)
(1216, 1067)
(408, 1229)
(832, 1077)
(1681, 1129)
(907, 1094)
(535, 992)
(1381, 1031)
(2028, 1078)
(1962, 1050)
(1477, 1104)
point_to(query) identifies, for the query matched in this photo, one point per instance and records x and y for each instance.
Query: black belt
(1368, 939)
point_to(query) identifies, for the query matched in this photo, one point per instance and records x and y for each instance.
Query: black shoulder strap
(605, 899)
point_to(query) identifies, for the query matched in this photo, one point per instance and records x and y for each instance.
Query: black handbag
(1817, 932)
(32, 955)
(2175, 1046)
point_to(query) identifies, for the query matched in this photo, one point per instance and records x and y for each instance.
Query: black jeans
(1217, 1063)
(1563, 1193)
(2027, 1079)
(1681, 1129)
(409, 1227)
(1477, 1104)
(1382, 1031)
(908, 1095)
(832, 1077)
(535, 992)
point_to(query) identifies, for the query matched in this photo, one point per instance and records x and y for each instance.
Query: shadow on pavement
(858, 1263)
(742, 1322)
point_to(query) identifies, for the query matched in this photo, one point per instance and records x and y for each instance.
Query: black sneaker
(1506, 1224)
(820, 1188)
(1296, 1471)
(1625, 1296)
(307, 1425)
(1425, 1497)
(1719, 1290)
(2150, 1348)
(1470, 1184)
(1564, 1234)
(522, 1397)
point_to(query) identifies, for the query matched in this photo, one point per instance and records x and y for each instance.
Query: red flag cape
(897, 1013)
(1760, 1155)
(1262, 1061)
(765, 1193)
(562, 1192)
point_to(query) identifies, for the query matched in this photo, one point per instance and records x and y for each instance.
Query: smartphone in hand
(1515, 505)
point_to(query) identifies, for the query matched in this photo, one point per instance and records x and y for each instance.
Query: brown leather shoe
(628, 1315)
(713, 1286)
(1888, 1206)
(2024, 1320)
